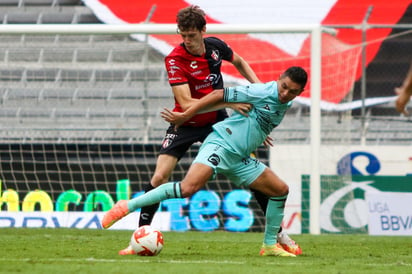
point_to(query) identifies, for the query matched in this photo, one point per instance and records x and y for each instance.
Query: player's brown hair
(190, 18)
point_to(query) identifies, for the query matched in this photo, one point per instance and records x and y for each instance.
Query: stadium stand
(63, 85)
(67, 86)
(390, 65)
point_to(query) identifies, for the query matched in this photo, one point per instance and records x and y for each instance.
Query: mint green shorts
(241, 170)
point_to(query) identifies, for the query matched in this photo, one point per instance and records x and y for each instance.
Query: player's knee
(159, 179)
(283, 190)
(188, 190)
(280, 190)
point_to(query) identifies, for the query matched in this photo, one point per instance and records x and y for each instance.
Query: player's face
(193, 41)
(288, 90)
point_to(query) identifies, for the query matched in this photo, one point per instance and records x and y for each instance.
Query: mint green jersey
(244, 135)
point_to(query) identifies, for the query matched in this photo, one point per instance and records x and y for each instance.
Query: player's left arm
(244, 68)
(205, 104)
(184, 98)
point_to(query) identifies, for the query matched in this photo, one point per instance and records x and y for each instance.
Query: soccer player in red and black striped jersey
(194, 70)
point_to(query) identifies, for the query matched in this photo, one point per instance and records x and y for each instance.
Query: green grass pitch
(95, 251)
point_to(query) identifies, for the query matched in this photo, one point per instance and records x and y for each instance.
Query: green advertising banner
(343, 208)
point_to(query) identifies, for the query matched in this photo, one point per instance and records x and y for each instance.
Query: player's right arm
(183, 96)
(404, 93)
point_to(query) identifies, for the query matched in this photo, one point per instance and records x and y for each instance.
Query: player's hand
(176, 118)
(402, 100)
(268, 142)
(242, 108)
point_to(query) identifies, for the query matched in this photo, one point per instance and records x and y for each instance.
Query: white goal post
(315, 31)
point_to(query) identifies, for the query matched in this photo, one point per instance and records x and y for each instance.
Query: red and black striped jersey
(202, 73)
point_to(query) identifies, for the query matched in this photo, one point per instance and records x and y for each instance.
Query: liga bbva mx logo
(343, 206)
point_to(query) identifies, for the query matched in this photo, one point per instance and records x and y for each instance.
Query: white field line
(145, 260)
(138, 260)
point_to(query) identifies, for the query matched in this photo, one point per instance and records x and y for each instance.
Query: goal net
(81, 127)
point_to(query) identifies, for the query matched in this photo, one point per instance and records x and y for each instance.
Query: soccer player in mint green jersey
(227, 151)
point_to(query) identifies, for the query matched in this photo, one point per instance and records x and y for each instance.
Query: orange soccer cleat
(118, 211)
(127, 251)
(274, 250)
(288, 244)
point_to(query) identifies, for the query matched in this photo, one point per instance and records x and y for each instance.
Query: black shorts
(177, 142)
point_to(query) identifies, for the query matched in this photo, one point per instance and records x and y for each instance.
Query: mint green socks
(274, 216)
(160, 193)
(274, 212)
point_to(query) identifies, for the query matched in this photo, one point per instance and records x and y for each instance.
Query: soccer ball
(147, 241)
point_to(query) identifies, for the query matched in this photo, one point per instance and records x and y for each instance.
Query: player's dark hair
(190, 18)
(297, 75)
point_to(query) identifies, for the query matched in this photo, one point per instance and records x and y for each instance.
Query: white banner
(77, 219)
(291, 161)
(390, 213)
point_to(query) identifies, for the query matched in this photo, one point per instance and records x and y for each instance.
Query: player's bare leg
(165, 164)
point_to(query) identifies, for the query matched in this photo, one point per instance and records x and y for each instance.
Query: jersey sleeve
(175, 73)
(252, 93)
(225, 49)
